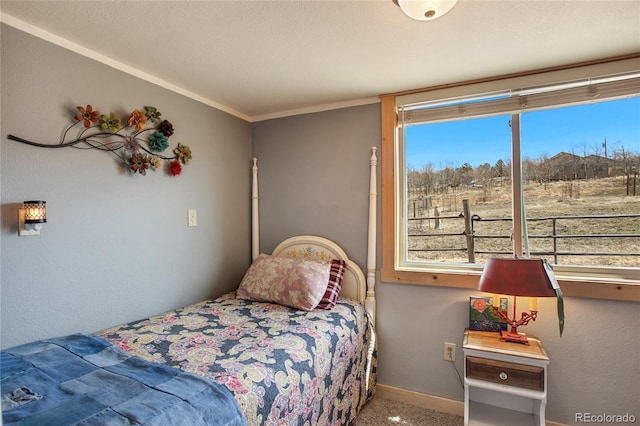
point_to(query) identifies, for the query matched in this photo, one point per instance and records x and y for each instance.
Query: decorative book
(481, 315)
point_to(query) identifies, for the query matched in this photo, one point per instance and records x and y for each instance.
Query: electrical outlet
(193, 218)
(449, 351)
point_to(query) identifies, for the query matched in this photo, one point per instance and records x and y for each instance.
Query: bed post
(370, 302)
(255, 213)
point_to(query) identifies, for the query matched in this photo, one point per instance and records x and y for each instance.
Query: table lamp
(520, 277)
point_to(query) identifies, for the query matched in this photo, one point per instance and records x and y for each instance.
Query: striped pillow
(336, 274)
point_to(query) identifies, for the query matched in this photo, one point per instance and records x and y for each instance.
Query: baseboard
(422, 400)
(427, 401)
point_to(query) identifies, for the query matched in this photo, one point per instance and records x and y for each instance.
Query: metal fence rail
(470, 236)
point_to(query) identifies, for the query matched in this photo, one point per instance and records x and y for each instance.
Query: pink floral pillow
(296, 283)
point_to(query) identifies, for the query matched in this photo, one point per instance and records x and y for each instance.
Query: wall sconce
(31, 217)
(425, 10)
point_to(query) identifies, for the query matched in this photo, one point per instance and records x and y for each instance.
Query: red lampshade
(517, 277)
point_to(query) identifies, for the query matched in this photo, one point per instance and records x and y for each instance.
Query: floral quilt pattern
(284, 366)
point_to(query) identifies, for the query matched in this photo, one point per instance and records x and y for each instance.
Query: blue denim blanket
(84, 379)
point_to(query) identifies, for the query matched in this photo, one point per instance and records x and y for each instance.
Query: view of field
(589, 197)
(577, 161)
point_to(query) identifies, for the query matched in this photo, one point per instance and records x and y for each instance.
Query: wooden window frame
(611, 289)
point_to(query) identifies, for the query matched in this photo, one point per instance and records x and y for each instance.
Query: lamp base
(511, 336)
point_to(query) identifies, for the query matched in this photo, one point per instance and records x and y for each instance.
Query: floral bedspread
(284, 366)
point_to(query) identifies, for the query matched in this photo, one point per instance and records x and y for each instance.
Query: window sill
(574, 287)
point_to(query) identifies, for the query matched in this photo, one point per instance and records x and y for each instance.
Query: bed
(295, 344)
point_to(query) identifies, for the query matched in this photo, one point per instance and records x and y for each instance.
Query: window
(504, 166)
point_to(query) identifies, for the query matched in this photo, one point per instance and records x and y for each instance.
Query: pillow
(296, 283)
(336, 275)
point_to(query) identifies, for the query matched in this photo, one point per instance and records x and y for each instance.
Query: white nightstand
(504, 383)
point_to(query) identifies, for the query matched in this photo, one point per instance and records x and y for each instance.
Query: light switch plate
(193, 218)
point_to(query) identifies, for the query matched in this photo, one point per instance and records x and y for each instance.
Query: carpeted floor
(383, 412)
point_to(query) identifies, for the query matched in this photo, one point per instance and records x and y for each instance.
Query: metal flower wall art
(140, 140)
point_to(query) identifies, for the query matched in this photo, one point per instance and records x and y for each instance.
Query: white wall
(314, 179)
(116, 247)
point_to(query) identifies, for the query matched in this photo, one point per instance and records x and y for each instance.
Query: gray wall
(314, 179)
(314, 175)
(116, 247)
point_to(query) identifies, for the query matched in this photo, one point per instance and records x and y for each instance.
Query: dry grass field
(595, 197)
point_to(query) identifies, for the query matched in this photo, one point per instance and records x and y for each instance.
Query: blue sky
(573, 129)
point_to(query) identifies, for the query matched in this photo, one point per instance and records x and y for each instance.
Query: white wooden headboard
(354, 285)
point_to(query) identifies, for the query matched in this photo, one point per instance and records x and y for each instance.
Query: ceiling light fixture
(425, 10)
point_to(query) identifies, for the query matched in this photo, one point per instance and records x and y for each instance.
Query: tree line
(564, 166)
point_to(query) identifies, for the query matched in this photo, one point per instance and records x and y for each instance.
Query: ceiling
(267, 59)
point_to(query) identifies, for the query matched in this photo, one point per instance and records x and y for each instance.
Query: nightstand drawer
(505, 373)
